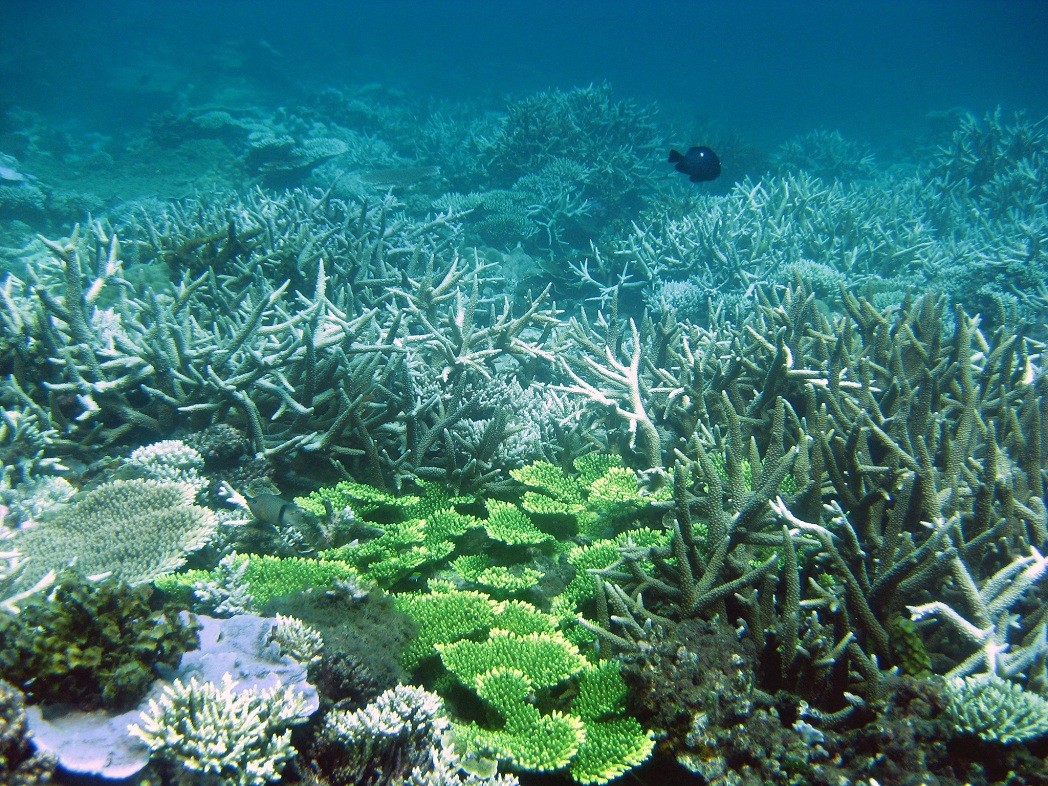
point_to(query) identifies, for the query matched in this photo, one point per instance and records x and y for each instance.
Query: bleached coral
(996, 710)
(134, 530)
(400, 711)
(230, 737)
(31, 500)
(302, 642)
(226, 593)
(28, 435)
(992, 618)
(406, 725)
(170, 460)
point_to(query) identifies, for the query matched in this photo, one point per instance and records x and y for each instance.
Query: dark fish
(288, 520)
(273, 510)
(699, 164)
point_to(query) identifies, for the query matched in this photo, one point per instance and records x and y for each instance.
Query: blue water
(764, 69)
(261, 148)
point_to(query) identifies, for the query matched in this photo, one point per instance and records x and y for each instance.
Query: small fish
(700, 164)
(291, 523)
(277, 511)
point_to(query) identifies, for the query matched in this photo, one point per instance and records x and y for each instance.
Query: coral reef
(152, 361)
(134, 530)
(897, 463)
(226, 736)
(609, 467)
(20, 764)
(989, 202)
(91, 644)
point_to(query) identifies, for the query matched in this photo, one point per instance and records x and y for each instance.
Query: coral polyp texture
(135, 530)
(241, 738)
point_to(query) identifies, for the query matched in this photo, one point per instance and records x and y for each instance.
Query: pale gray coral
(914, 446)
(366, 367)
(989, 622)
(826, 154)
(402, 737)
(688, 300)
(282, 160)
(29, 437)
(759, 232)
(169, 461)
(987, 202)
(227, 593)
(35, 498)
(229, 737)
(134, 530)
(296, 639)
(22, 201)
(996, 710)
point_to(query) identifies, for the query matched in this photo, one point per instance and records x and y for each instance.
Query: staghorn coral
(757, 233)
(28, 439)
(971, 221)
(827, 155)
(905, 446)
(988, 202)
(993, 604)
(996, 163)
(370, 367)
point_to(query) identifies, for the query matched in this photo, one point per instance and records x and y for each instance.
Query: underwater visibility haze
(483, 393)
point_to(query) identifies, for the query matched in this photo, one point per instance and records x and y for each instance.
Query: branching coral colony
(832, 479)
(863, 471)
(390, 363)
(756, 525)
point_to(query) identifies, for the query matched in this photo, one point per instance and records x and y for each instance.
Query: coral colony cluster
(479, 448)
